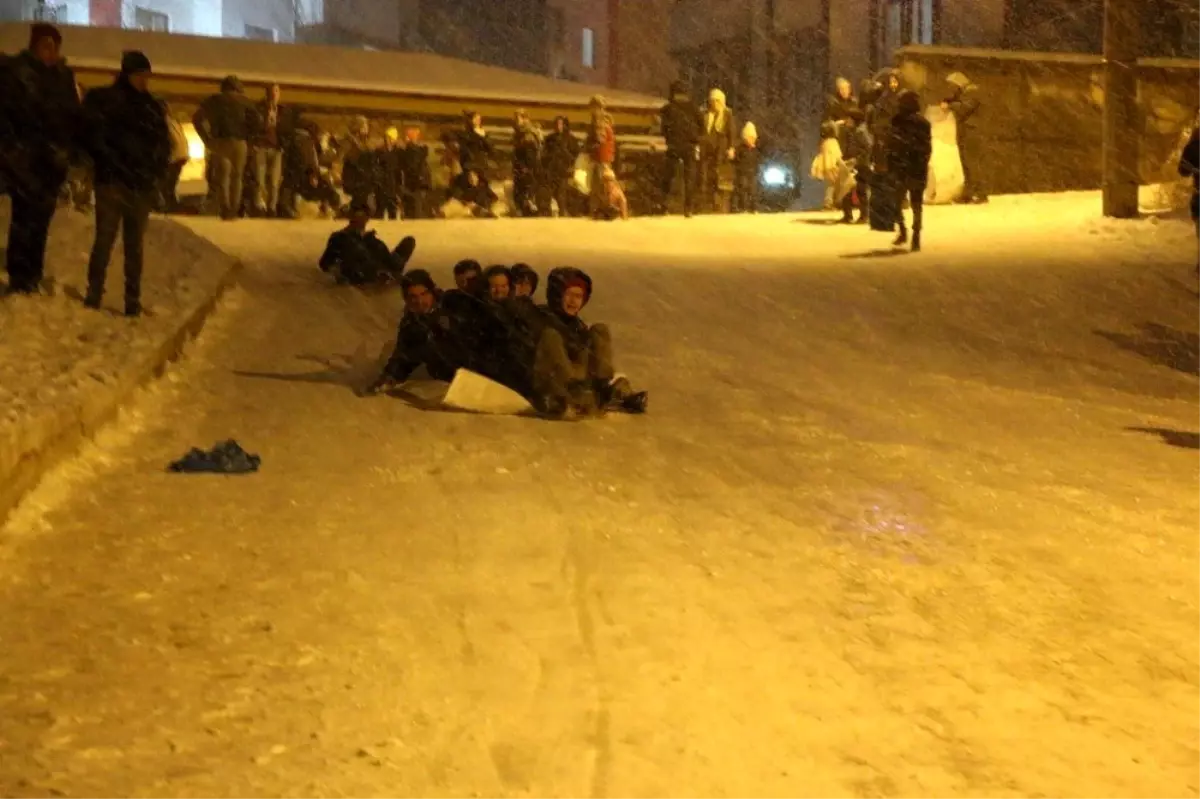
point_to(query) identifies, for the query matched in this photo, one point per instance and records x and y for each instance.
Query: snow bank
(64, 369)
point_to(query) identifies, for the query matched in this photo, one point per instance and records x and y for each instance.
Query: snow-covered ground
(895, 524)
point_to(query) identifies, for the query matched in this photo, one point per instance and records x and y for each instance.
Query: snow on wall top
(320, 66)
(1033, 55)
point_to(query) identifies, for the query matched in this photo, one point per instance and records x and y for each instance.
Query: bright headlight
(776, 176)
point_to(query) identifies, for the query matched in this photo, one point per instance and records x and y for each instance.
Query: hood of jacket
(557, 282)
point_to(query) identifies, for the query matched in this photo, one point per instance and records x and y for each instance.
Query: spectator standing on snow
(391, 178)
(837, 108)
(602, 148)
(474, 147)
(526, 160)
(717, 151)
(681, 128)
(745, 195)
(39, 127)
(856, 148)
(963, 101)
(559, 153)
(225, 123)
(909, 150)
(130, 145)
(416, 176)
(268, 152)
(1189, 167)
(360, 164)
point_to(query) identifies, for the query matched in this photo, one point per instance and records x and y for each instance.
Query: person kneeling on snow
(611, 201)
(573, 363)
(425, 338)
(357, 256)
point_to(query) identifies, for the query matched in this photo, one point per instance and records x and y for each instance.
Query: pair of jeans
(268, 177)
(119, 208)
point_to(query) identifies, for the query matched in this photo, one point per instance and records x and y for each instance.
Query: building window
(145, 19)
(589, 48)
(260, 34)
(55, 13)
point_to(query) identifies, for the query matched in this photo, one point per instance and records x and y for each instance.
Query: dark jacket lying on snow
(226, 457)
(361, 257)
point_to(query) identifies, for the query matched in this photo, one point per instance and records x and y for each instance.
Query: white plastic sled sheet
(475, 393)
(945, 167)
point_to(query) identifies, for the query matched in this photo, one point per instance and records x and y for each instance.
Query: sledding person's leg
(612, 390)
(559, 387)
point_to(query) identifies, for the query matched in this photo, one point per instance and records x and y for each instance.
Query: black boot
(916, 241)
(902, 238)
(636, 402)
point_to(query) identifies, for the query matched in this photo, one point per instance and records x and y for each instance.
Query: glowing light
(776, 176)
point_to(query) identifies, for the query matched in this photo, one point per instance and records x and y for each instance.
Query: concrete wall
(276, 15)
(1040, 123)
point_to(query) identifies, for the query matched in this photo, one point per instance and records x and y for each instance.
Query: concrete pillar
(1122, 120)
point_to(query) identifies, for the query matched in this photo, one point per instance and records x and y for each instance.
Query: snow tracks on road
(65, 370)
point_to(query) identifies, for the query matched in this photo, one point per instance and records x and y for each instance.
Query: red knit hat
(43, 30)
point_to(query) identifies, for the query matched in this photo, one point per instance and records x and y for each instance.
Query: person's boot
(902, 238)
(916, 241)
(636, 402)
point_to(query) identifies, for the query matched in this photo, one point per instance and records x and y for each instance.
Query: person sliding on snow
(524, 281)
(909, 148)
(425, 337)
(1189, 167)
(572, 373)
(357, 256)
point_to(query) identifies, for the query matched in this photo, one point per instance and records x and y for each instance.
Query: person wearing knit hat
(524, 279)
(130, 146)
(40, 107)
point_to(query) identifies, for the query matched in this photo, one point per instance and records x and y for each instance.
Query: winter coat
(559, 153)
(602, 141)
(126, 136)
(1189, 160)
(389, 168)
(226, 115)
(719, 136)
(879, 124)
(837, 108)
(414, 167)
(359, 256)
(40, 121)
(574, 331)
(360, 166)
(474, 150)
(527, 151)
(747, 163)
(681, 127)
(266, 136)
(909, 148)
(480, 194)
(855, 142)
(965, 105)
(425, 340)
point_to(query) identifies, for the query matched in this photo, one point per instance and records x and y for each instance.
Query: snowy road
(887, 530)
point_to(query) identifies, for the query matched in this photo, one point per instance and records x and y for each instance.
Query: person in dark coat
(470, 189)
(272, 120)
(909, 150)
(390, 177)
(559, 153)
(474, 147)
(524, 280)
(882, 111)
(837, 108)
(681, 128)
(360, 164)
(130, 147)
(226, 122)
(357, 256)
(963, 101)
(425, 337)
(526, 163)
(746, 165)
(573, 375)
(1189, 166)
(39, 127)
(856, 148)
(416, 176)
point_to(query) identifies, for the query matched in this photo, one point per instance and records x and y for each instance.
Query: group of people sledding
(490, 324)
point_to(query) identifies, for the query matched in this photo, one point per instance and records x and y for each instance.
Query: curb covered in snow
(30, 449)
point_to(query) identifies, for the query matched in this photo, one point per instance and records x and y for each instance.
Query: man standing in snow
(909, 150)
(717, 150)
(559, 153)
(128, 140)
(415, 174)
(268, 153)
(225, 122)
(681, 130)
(602, 147)
(39, 126)
(964, 103)
(1189, 167)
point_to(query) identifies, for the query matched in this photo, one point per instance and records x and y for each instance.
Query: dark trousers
(561, 192)
(681, 168)
(27, 234)
(524, 193)
(387, 206)
(127, 210)
(970, 155)
(916, 200)
(414, 204)
(860, 191)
